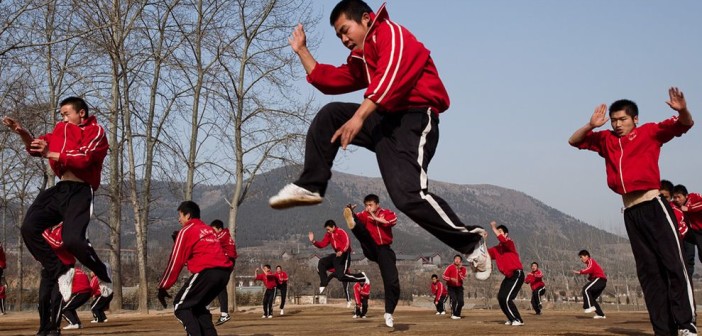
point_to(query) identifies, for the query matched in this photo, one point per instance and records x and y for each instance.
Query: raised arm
(677, 102)
(298, 43)
(598, 118)
(16, 127)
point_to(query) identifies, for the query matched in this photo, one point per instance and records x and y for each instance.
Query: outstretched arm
(16, 127)
(298, 42)
(598, 118)
(677, 102)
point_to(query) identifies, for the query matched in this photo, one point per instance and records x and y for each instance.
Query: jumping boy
(340, 260)
(454, 274)
(76, 149)
(229, 248)
(269, 282)
(196, 246)
(535, 279)
(597, 281)
(100, 302)
(508, 262)
(361, 292)
(282, 287)
(398, 120)
(373, 229)
(631, 159)
(440, 293)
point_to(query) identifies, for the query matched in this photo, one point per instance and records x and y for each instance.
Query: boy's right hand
(11, 124)
(298, 40)
(599, 117)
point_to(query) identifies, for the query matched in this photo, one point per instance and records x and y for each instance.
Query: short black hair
(217, 224)
(535, 263)
(583, 253)
(458, 255)
(434, 276)
(329, 223)
(77, 103)
(667, 186)
(503, 228)
(189, 208)
(624, 104)
(680, 189)
(371, 198)
(278, 266)
(267, 266)
(353, 9)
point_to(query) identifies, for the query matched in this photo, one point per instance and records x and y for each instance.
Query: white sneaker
(282, 312)
(94, 321)
(365, 276)
(72, 326)
(264, 316)
(364, 316)
(517, 323)
(355, 316)
(480, 260)
(270, 316)
(437, 313)
(453, 317)
(508, 323)
(388, 320)
(348, 304)
(65, 283)
(292, 195)
(443, 313)
(590, 310)
(685, 332)
(348, 217)
(599, 317)
(321, 290)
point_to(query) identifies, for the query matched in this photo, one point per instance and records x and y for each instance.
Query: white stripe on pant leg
(514, 285)
(96, 302)
(587, 295)
(674, 227)
(185, 293)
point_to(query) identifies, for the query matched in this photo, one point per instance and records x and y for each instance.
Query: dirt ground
(337, 319)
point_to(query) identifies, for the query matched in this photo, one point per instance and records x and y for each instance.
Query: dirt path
(319, 320)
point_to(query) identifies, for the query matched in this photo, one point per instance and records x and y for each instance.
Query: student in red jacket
(340, 260)
(80, 294)
(454, 275)
(269, 282)
(398, 120)
(440, 293)
(197, 247)
(101, 301)
(508, 262)
(688, 238)
(229, 249)
(631, 155)
(597, 281)
(282, 278)
(373, 229)
(75, 149)
(361, 292)
(535, 279)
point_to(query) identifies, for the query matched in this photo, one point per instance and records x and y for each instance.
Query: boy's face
(534, 267)
(665, 194)
(502, 232)
(371, 206)
(434, 280)
(352, 33)
(584, 259)
(679, 199)
(183, 218)
(278, 269)
(457, 260)
(329, 229)
(622, 123)
(216, 229)
(70, 115)
(266, 269)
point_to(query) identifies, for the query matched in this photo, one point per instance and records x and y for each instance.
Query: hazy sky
(523, 75)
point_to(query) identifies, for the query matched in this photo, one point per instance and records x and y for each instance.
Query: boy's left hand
(677, 99)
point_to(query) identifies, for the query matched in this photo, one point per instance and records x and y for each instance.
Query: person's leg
(406, 146)
(204, 320)
(442, 303)
(588, 299)
(502, 297)
(459, 297)
(535, 301)
(44, 213)
(198, 291)
(105, 306)
(76, 217)
(46, 288)
(516, 280)
(271, 299)
(341, 265)
(223, 299)
(368, 245)
(391, 281)
(347, 293)
(323, 265)
(283, 295)
(452, 292)
(689, 246)
(595, 292)
(364, 306)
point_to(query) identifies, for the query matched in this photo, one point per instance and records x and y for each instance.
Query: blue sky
(523, 75)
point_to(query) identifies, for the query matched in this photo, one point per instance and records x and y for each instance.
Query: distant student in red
(282, 286)
(196, 246)
(691, 206)
(361, 292)
(101, 301)
(81, 292)
(687, 236)
(597, 281)
(3, 261)
(340, 260)
(508, 262)
(229, 249)
(440, 293)
(535, 279)
(454, 275)
(270, 282)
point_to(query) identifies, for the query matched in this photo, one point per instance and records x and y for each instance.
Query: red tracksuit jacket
(452, 271)
(227, 243)
(396, 70)
(95, 286)
(680, 218)
(269, 280)
(535, 279)
(380, 232)
(3, 288)
(438, 290)
(53, 236)
(82, 149)
(593, 270)
(282, 277)
(81, 283)
(506, 256)
(339, 240)
(693, 215)
(3, 260)
(632, 161)
(198, 246)
(360, 292)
